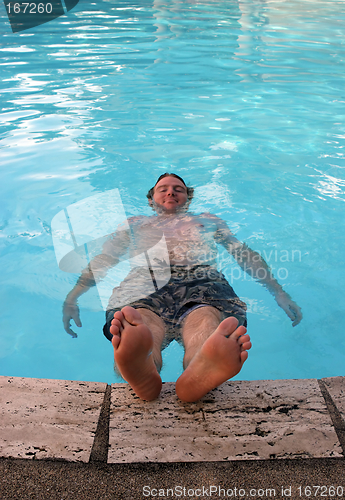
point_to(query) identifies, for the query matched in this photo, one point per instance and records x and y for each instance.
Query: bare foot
(133, 343)
(221, 357)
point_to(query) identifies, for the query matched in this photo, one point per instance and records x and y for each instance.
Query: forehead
(170, 181)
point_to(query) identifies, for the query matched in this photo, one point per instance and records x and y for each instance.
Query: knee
(203, 315)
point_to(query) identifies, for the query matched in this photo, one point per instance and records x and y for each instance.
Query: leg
(197, 328)
(214, 352)
(137, 338)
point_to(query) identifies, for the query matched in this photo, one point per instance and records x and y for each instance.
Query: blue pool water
(244, 99)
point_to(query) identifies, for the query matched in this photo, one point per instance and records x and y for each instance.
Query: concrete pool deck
(64, 439)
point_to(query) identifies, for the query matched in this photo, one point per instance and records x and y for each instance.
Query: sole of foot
(133, 343)
(220, 358)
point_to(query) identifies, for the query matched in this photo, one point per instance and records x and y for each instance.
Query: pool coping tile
(242, 420)
(239, 421)
(336, 389)
(48, 419)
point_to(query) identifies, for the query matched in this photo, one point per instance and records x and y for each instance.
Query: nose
(170, 192)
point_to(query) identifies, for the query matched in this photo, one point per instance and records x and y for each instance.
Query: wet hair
(190, 190)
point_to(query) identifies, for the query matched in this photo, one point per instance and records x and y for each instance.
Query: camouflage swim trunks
(187, 290)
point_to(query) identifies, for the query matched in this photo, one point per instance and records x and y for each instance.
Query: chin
(169, 209)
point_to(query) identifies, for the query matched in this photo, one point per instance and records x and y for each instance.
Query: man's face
(170, 194)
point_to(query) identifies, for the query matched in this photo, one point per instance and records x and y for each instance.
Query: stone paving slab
(238, 421)
(45, 419)
(336, 388)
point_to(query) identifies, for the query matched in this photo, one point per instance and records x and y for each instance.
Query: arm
(252, 263)
(92, 274)
(70, 309)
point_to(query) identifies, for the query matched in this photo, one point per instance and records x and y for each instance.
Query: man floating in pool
(197, 306)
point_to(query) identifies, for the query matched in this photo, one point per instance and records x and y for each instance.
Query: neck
(162, 212)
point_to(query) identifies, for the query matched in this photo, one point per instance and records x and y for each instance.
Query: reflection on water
(243, 99)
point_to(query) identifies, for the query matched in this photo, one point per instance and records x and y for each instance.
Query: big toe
(228, 326)
(131, 315)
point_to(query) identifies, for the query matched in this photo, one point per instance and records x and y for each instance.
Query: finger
(66, 323)
(297, 316)
(76, 319)
(290, 312)
(67, 326)
(297, 320)
(71, 332)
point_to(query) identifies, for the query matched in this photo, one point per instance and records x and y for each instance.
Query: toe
(246, 345)
(116, 341)
(131, 315)
(228, 326)
(114, 330)
(116, 326)
(119, 316)
(244, 356)
(243, 338)
(239, 334)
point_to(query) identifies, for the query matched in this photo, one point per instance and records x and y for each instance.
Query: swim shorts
(187, 290)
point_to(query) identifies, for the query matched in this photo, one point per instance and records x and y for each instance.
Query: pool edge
(73, 421)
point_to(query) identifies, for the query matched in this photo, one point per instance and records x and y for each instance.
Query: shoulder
(123, 230)
(137, 219)
(223, 233)
(214, 218)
